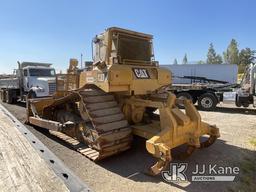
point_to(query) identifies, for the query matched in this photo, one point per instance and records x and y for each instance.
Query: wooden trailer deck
(25, 167)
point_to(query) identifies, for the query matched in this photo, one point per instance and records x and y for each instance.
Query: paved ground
(124, 172)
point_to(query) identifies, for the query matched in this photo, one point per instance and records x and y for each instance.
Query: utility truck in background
(209, 84)
(35, 79)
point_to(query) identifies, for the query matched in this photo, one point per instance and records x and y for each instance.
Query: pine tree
(218, 59)
(247, 56)
(175, 62)
(212, 57)
(231, 56)
(185, 59)
(201, 62)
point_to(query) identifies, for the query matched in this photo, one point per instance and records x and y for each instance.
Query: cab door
(25, 80)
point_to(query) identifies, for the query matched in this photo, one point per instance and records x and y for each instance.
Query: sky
(54, 31)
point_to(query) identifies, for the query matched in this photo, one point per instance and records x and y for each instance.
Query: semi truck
(210, 84)
(35, 79)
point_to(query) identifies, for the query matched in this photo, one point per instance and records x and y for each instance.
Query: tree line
(232, 55)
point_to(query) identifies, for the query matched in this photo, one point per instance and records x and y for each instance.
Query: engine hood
(40, 85)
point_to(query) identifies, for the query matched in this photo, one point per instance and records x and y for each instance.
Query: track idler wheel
(208, 142)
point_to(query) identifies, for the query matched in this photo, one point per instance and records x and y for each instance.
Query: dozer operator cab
(119, 46)
(123, 61)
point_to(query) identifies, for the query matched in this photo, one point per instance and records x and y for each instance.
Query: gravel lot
(124, 172)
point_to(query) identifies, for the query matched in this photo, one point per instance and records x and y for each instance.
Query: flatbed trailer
(206, 95)
(198, 83)
(209, 84)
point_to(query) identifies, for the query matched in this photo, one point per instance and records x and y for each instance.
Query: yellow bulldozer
(99, 109)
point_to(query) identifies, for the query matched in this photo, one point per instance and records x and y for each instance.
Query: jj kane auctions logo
(177, 173)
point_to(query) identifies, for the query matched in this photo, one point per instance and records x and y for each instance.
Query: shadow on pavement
(246, 111)
(232, 110)
(21, 104)
(132, 163)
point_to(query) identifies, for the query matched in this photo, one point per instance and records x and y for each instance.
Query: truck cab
(39, 80)
(30, 79)
(246, 92)
(254, 80)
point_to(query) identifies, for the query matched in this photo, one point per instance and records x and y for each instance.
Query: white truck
(209, 84)
(246, 94)
(35, 79)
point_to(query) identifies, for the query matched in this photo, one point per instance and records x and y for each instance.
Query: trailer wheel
(207, 101)
(183, 95)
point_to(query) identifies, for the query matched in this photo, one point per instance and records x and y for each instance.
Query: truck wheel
(9, 97)
(2, 95)
(183, 95)
(207, 102)
(238, 103)
(14, 100)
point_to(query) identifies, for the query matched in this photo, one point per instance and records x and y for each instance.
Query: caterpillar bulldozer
(99, 109)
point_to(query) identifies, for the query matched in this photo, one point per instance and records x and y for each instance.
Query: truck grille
(52, 88)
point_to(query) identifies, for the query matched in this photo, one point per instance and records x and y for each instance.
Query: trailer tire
(183, 95)
(238, 102)
(207, 102)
